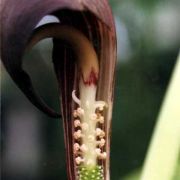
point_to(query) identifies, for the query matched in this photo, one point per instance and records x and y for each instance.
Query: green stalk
(164, 149)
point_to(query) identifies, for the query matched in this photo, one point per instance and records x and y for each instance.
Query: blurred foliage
(142, 76)
(138, 96)
(135, 175)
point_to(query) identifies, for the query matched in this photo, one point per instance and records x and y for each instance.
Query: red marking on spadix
(92, 79)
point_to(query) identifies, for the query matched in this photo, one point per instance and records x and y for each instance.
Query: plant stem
(165, 145)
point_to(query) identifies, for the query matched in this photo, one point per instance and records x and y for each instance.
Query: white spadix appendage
(76, 100)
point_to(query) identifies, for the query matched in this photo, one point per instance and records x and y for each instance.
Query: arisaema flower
(84, 57)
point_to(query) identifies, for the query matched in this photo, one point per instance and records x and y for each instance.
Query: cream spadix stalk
(89, 117)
